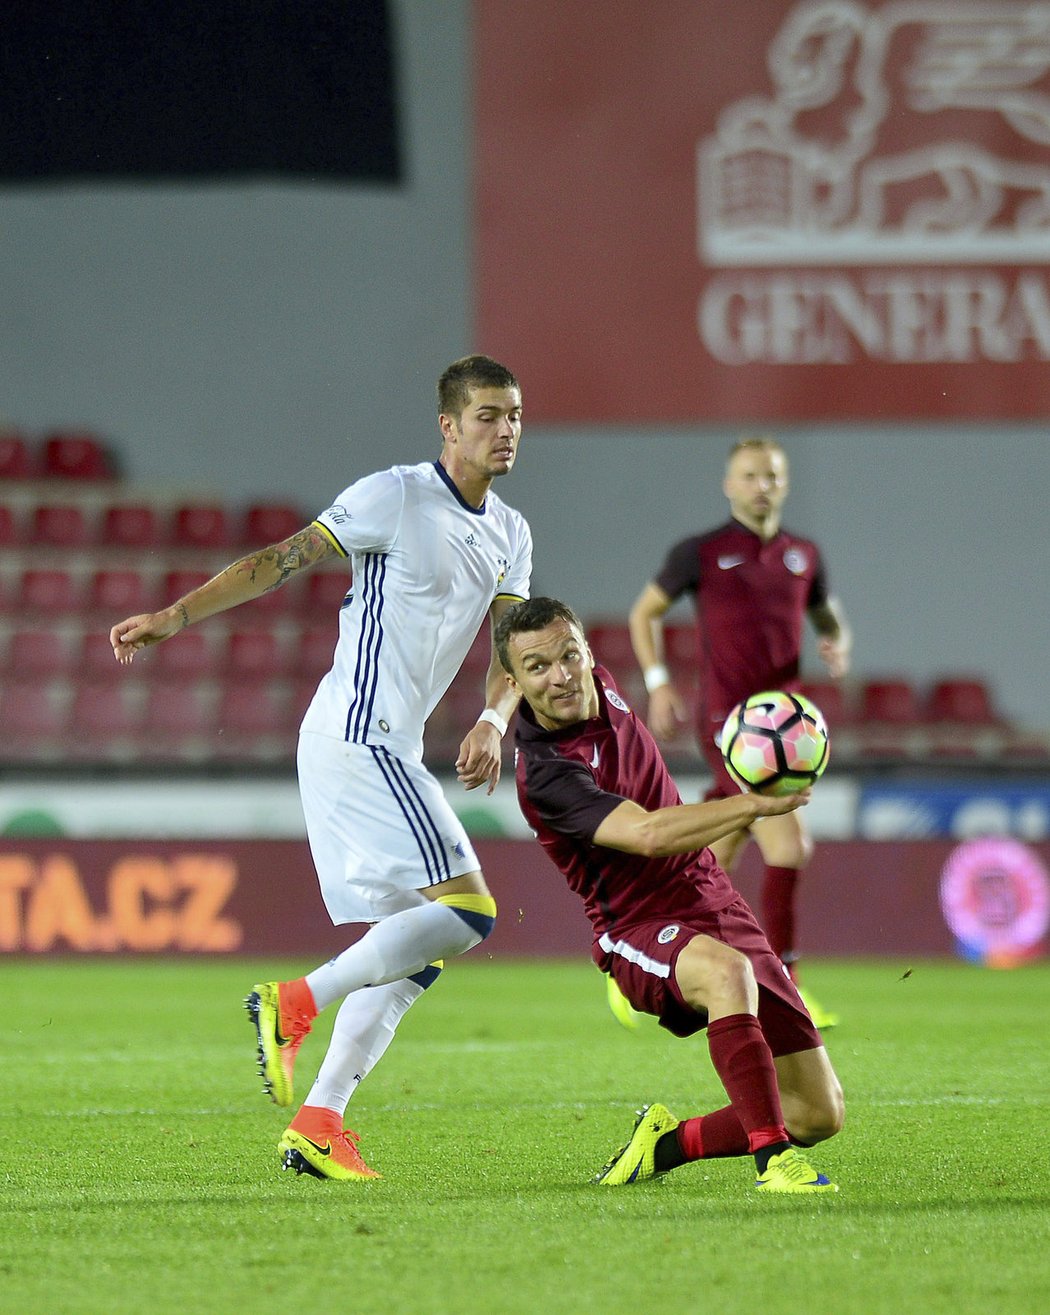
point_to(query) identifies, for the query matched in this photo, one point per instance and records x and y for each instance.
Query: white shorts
(380, 828)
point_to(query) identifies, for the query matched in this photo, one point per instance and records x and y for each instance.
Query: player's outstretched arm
(835, 639)
(480, 753)
(667, 711)
(685, 827)
(249, 577)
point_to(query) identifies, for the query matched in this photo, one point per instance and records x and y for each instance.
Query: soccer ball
(775, 742)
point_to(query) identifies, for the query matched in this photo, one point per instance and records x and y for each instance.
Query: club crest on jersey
(504, 566)
(338, 514)
(614, 698)
(668, 934)
(796, 561)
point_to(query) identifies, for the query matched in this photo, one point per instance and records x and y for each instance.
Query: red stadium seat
(50, 593)
(8, 527)
(96, 662)
(200, 525)
(113, 595)
(130, 525)
(178, 583)
(965, 700)
(310, 655)
(251, 654)
(38, 654)
(250, 722)
(324, 594)
(33, 715)
(73, 454)
(270, 522)
(103, 721)
(186, 656)
(59, 526)
(610, 643)
(890, 701)
(177, 721)
(16, 457)
(830, 697)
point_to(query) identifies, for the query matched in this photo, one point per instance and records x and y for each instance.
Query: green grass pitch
(140, 1172)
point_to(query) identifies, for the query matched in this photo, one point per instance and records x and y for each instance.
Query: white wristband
(494, 719)
(655, 676)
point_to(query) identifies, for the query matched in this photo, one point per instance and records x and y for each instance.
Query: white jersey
(426, 567)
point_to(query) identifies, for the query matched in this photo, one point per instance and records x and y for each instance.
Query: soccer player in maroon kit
(668, 925)
(753, 582)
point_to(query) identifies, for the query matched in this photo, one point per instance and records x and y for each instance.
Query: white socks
(364, 1027)
(400, 945)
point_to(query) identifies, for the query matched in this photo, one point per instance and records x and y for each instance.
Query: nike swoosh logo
(326, 1149)
(594, 760)
(727, 563)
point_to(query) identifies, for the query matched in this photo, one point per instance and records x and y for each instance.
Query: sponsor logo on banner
(885, 196)
(995, 896)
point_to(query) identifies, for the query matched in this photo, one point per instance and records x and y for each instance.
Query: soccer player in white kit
(432, 551)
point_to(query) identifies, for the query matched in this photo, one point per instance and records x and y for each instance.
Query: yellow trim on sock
(470, 903)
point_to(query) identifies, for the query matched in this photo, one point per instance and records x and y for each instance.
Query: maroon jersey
(570, 780)
(751, 598)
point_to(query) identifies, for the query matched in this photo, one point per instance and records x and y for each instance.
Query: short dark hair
(532, 614)
(463, 376)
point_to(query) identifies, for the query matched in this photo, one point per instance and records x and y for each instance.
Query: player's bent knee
(817, 1121)
(477, 911)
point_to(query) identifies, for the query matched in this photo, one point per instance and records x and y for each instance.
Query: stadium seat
(16, 456)
(103, 721)
(96, 662)
(891, 702)
(130, 525)
(74, 454)
(610, 643)
(965, 700)
(38, 654)
(831, 698)
(200, 525)
(250, 722)
(890, 720)
(33, 715)
(251, 654)
(53, 525)
(324, 593)
(310, 654)
(177, 720)
(51, 593)
(186, 656)
(178, 583)
(8, 527)
(113, 595)
(270, 522)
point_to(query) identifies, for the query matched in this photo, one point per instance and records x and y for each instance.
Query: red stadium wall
(260, 898)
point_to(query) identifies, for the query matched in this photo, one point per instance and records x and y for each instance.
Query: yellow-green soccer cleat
(789, 1172)
(622, 1010)
(332, 1154)
(823, 1021)
(633, 1163)
(279, 1038)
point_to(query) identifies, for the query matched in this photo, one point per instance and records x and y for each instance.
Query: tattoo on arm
(183, 614)
(290, 555)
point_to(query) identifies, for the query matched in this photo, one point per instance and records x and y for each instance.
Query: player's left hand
(480, 757)
(835, 656)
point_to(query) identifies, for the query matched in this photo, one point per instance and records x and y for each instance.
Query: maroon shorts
(642, 960)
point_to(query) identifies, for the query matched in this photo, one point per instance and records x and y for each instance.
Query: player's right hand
(127, 637)
(667, 712)
(771, 805)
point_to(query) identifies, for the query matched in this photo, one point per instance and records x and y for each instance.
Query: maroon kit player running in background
(668, 925)
(752, 582)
